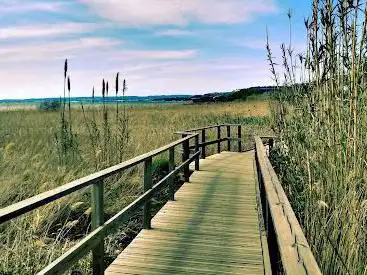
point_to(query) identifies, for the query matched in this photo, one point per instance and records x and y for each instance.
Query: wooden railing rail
(204, 143)
(287, 243)
(95, 239)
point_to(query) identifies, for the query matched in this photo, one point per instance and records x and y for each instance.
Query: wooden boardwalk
(211, 228)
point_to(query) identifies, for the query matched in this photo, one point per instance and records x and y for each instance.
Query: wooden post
(147, 186)
(171, 167)
(229, 136)
(271, 144)
(239, 135)
(185, 156)
(196, 150)
(218, 137)
(98, 220)
(203, 145)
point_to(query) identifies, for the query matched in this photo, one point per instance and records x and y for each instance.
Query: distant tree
(50, 105)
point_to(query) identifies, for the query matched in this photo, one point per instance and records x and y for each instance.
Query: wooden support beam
(239, 135)
(203, 142)
(218, 138)
(197, 149)
(171, 167)
(185, 156)
(228, 137)
(147, 186)
(98, 220)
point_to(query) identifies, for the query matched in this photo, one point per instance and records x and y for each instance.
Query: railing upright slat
(196, 150)
(98, 220)
(239, 135)
(218, 137)
(185, 156)
(203, 142)
(171, 167)
(147, 185)
(229, 138)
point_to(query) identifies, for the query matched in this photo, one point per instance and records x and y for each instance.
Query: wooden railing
(288, 248)
(94, 241)
(220, 139)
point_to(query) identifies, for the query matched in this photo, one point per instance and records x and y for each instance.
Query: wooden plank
(295, 253)
(132, 268)
(212, 227)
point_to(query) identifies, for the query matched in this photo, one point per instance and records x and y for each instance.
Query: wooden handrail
(34, 202)
(95, 239)
(91, 240)
(219, 139)
(211, 126)
(281, 223)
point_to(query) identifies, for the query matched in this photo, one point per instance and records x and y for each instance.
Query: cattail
(69, 85)
(93, 93)
(107, 88)
(124, 88)
(103, 88)
(65, 68)
(117, 83)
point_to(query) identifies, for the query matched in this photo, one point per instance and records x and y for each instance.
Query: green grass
(30, 164)
(321, 156)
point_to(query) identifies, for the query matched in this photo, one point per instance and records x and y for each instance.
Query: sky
(159, 46)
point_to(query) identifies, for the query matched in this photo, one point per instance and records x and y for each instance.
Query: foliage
(66, 144)
(50, 105)
(322, 126)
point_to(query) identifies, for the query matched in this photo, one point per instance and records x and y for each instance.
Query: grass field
(30, 164)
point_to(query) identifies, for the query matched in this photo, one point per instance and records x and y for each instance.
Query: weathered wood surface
(295, 253)
(211, 228)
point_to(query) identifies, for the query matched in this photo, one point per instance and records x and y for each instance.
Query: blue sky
(159, 46)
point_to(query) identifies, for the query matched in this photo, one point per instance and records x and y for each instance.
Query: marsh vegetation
(31, 162)
(321, 156)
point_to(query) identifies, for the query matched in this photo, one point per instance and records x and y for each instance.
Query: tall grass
(29, 165)
(65, 137)
(322, 125)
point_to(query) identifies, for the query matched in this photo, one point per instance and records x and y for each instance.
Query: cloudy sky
(159, 46)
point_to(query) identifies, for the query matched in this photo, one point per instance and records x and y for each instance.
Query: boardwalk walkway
(211, 228)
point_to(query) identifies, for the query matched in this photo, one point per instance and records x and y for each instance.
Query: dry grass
(29, 165)
(322, 125)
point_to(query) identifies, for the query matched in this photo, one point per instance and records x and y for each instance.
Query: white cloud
(43, 51)
(31, 31)
(174, 32)
(15, 6)
(144, 76)
(159, 54)
(179, 12)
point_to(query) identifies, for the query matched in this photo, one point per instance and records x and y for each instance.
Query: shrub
(50, 105)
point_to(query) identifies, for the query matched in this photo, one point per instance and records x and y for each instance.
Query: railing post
(202, 142)
(196, 150)
(218, 137)
(147, 186)
(271, 144)
(228, 137)
(171, 167)
(185, 156)
(98, 220)
(239, 135)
